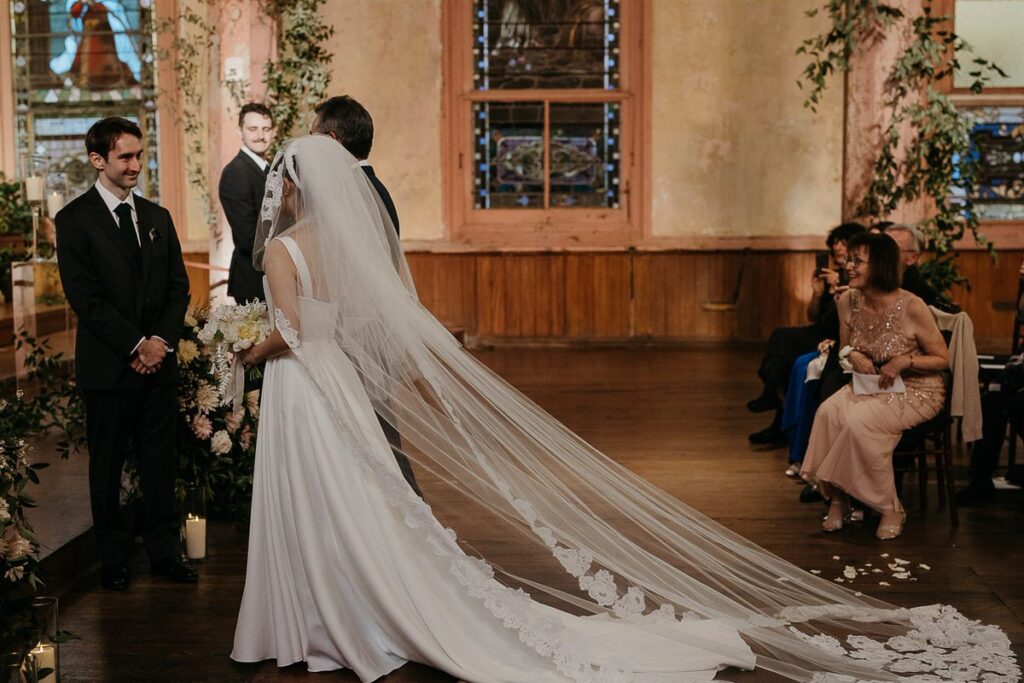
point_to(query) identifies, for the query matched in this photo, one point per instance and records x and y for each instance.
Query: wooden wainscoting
(608, 297)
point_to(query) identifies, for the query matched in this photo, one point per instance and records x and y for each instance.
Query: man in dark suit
(122, 271)
(241, 194)
(348, 122)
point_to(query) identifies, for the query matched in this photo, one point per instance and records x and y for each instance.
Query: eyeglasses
(856, 262)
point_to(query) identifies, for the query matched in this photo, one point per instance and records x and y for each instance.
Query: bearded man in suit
(241, 187)
(122, 271)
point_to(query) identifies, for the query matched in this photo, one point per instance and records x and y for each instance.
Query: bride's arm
(282, 279)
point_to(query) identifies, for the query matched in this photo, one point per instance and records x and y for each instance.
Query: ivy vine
(297, 81)
(926, 146)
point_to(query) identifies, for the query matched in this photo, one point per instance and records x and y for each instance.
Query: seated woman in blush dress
(890, 333)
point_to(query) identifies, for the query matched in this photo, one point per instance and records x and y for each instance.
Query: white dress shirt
(260, 161)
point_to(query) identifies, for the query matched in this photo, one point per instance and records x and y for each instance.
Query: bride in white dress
(349, 568)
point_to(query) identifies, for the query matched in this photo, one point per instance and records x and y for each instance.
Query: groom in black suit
(348, 122)
(241, 190)
(122, 271)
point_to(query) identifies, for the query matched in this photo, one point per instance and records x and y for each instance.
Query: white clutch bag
(868, 384)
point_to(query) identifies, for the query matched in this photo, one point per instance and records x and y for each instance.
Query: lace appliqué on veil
(288, 333)
(943, 645)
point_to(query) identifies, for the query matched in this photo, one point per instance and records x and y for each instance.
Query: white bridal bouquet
(231, 329)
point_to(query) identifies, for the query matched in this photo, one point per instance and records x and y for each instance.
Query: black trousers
(997, 407)
(145, 417)
(395, 441)
(784, 346)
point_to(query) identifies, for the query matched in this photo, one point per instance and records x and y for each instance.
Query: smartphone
(820, 261)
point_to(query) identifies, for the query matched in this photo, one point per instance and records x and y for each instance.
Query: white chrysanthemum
(221, 443)
(202, 427)
(17, 546)
(14, 574)
(207, 397)
(187, 351)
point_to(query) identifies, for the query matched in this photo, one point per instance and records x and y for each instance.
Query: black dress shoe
(768, 400)
(767, 436)
(173, 569)
(115, 577)
(810, 494)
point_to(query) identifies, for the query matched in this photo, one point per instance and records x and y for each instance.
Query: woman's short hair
(883, 259)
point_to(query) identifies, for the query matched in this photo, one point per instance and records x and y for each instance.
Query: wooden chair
(931, 439)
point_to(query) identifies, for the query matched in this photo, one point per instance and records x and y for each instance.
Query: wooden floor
(673, 416)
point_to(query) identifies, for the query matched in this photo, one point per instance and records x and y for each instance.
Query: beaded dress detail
(853, 436)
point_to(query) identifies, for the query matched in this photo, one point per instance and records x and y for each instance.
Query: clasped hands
(149, 356)
(887, 373)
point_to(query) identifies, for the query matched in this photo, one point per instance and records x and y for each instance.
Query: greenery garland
(298, 80)
(935, 157)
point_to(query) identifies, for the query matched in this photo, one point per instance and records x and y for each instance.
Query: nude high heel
(887, 532)
(838, 511)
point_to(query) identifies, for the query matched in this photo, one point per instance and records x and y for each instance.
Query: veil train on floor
(609, 542)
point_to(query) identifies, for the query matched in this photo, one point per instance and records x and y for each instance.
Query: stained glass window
(546, 44)
(997, 139)
(579, 167)
(76, 61)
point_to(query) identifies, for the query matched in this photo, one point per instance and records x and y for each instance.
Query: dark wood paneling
(682, 295)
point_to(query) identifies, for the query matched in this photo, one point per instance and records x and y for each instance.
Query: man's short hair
(103, 135)
(915, 234)
(254, 108)
(843, 233)
(348, 121)
(883, 259)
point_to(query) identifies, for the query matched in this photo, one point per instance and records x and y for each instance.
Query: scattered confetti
(882, 583)
(885, 554)
(838, 580)
(876, 571)
(924, 567)
(835, 557)
(815, 571)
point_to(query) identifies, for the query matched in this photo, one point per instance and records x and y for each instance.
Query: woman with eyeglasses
(891, 343)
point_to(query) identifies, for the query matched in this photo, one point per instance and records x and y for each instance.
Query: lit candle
(34, 188)
(46, 658)
(195, 537)
(54, 203)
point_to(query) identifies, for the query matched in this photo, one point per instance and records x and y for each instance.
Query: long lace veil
(608, 541)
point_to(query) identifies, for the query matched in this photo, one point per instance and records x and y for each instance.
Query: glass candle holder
(194, 527)
(46, 653)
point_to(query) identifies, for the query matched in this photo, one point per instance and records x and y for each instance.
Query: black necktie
(127, 229)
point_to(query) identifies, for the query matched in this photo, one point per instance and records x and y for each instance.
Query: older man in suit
(121, 266)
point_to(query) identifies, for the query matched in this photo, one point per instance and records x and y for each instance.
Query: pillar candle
(54, 203)
(46, 658)
(195, 537)
(34, 187)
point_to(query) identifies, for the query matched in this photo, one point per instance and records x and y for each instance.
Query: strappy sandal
(887, 532)
(835, 522)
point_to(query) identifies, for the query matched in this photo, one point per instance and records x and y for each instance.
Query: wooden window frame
(543, 227)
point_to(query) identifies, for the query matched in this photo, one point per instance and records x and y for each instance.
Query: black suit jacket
(242, 184)
(117, 301)
(385, 196)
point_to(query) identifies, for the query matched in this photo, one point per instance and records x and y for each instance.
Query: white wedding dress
(339, 577)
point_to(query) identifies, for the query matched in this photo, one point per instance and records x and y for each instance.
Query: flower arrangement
(216, 443)
(228, 330)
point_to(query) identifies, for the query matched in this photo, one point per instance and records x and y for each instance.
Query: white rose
(220, 443)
